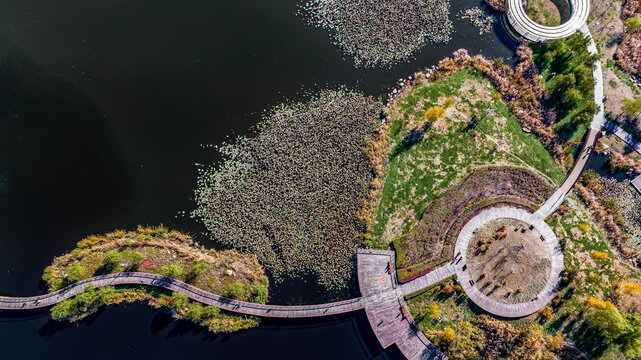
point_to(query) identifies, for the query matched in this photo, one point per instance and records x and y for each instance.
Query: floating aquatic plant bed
(382, 32)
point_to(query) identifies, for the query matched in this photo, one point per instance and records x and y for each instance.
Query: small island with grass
(157, 250)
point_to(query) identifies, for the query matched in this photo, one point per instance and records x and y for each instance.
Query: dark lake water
(104, 106)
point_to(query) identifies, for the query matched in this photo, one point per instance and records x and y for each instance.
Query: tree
(631, 107)
(76, 272)
(105, 294)
(172, 271)
(599, 255)
(260, 294)
(236, 290)
(448, 102)
(546, 313)
(210, 311)
(179, 300)
(584, 80)
(571, 97)
(137, 258)
(432, 114)
(618, 328)
(565, 81)
(433, 310)
(63, 309)
(632, 24)
(195, 310)
(199, 268)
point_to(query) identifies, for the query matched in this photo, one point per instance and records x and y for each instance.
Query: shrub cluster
(292, 194)
(628, 54)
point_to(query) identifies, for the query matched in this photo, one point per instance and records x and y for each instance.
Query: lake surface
(104, 108)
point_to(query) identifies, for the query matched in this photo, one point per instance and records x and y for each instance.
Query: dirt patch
(508, 262)
(616, 91)
(478, 91)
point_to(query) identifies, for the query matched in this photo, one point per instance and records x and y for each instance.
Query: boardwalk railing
(194, 293)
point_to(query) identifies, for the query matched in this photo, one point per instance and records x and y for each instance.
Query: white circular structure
(534, 31)
(492, 306)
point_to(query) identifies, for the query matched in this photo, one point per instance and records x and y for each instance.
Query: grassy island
(442, 135)
(160, 251)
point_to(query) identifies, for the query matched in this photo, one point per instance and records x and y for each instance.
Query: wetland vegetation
(159, 251)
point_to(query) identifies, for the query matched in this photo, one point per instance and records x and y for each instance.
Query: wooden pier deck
(383, 302)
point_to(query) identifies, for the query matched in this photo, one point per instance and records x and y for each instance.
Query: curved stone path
(533, 31)
(493, 306)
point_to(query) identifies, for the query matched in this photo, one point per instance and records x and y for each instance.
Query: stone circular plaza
(508, 261)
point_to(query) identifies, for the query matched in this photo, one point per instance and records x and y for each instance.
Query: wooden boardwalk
(385, 306)
(429, 279)
(631, 141)
(493, 306)
(623, 135)
(382, 299)
(137, 278)
(587, 149)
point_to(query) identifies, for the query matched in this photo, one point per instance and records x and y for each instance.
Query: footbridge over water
(382, 300)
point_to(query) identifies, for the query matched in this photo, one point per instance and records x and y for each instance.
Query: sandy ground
(517, 265)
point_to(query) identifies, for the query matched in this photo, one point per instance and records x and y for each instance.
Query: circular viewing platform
(539, 264)
(533, 31)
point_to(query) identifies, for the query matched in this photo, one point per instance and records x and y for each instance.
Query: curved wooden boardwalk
(382, 300)
(533, 31)
(137, 278)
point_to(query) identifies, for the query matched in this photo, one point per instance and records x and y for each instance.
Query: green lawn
(419, 171)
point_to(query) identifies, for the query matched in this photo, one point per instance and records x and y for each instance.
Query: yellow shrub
(433, 310)
(629, 287)
(433, 113)
(597, 304)
(585, 228)
(448, 334)
(599, 255)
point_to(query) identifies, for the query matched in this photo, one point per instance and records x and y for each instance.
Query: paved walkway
(589, 143)
(587, 149)
(493, 306)
(533, 31)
